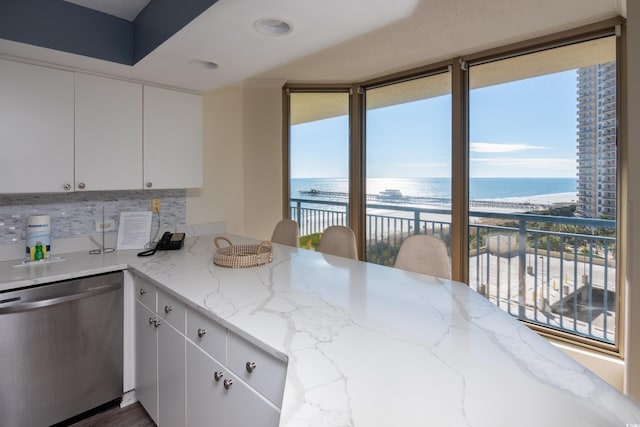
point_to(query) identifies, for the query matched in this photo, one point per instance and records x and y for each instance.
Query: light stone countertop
(372, 346)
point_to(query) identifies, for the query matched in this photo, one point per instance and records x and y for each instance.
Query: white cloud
(423, 165)
(544, 163)
(490, 147)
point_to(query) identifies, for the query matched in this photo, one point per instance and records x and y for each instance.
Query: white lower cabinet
(185, 364)
(216, 397)
(160, 366)
(171, 379)
(146, 360)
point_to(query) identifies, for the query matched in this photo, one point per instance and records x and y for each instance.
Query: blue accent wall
(56, 24)
(59, 25)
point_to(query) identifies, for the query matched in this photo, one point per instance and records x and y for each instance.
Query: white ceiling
(125, 9)
(332, 40)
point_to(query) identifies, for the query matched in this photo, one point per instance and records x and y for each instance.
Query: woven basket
(242, 256)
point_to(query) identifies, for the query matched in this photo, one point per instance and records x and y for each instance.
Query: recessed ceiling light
(206, 65)
(273, 26)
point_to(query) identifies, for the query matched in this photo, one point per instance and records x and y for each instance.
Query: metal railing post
(522, 263)
(416, 222)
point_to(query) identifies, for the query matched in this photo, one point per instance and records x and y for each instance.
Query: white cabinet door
(210, 403)
(108, 134)
(36, 129)
(171, 376)
(146, 360)
(204, 393)
(172, 139)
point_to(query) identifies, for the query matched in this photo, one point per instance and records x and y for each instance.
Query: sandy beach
(546, 199)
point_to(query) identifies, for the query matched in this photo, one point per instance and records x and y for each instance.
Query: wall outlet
(155, 205)
(106, 225)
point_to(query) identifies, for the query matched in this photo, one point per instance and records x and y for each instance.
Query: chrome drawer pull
(250, 366)
(217, 375)
(143, 291)
(227, 383)
(151, 320)
(157, 323)
(201, 332)
(167, 308)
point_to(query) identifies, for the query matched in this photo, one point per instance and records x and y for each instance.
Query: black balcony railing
(555, 271)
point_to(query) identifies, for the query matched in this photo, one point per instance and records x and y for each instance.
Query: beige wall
(242, 155)
(632, 354)
(263, 159)
(222, 196)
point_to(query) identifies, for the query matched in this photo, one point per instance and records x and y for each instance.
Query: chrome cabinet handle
(250, 366)
(81, 185)
(227, 383)
(149, 185)
(151, 320)
(66, 187)
(143, 291)
(217, 375)
(167, 309)
(157, 323)
(201, 332)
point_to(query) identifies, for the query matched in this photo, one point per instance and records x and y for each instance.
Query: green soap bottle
(39, 254)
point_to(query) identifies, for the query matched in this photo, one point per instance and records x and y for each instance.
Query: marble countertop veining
(372, 346)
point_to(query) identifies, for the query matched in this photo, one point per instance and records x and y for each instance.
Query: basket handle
(263, 244)
(221, 238)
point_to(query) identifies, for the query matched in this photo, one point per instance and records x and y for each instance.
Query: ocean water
(479, 188)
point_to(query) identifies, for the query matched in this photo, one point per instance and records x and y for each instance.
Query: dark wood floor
(131, 416)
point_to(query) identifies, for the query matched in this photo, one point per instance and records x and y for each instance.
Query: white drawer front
(172, 310)
(146, 293)
(207, 334)
(268, 373)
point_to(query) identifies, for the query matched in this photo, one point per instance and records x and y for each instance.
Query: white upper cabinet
(172, 139)
(36, 129)
(63, 131)
(108, 134)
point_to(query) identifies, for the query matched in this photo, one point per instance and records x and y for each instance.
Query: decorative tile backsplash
(76, 214)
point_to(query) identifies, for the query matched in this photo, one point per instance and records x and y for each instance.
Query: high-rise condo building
(597, 141)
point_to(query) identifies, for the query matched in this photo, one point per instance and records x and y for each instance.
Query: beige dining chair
(338, 240)
(426, 254)
(286, 233)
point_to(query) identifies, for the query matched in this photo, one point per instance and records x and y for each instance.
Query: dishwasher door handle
(32, 305)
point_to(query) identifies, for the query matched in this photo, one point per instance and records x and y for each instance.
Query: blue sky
(525, 128)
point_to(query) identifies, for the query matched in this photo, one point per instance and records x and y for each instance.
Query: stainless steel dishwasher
(60, 349)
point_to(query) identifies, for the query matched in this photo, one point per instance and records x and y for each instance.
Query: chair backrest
(286, 233)
(424, 254)
(340, 241)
